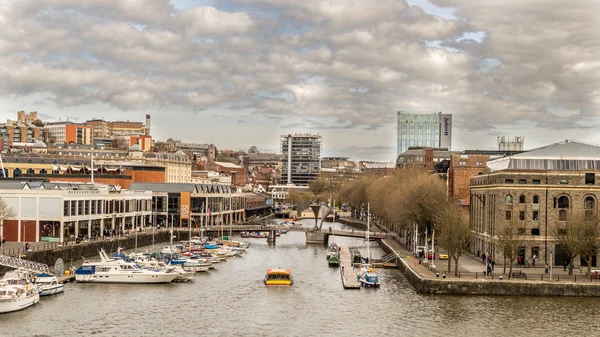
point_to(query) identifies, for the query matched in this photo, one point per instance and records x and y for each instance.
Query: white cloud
(355, 62)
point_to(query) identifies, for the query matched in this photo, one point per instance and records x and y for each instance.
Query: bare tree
(319, 187)
(119, 143)
(577, 236)
(6, 212)
(508, 239)
(452, 228)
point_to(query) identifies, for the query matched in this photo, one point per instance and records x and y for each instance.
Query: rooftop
(568, 155)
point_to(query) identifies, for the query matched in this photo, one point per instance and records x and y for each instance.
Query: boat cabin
(279, 277)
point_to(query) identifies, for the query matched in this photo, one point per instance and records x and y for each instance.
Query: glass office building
(428, 129)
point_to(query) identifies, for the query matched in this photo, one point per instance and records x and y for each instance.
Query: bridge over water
(311, 235)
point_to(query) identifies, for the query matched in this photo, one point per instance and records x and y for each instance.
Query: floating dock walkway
(346, 270)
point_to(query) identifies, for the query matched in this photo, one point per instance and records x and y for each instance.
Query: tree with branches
(452, 229)
(509, 239)
(6, 212)
(577, 236)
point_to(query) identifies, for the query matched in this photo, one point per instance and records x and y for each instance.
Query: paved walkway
(468, 263)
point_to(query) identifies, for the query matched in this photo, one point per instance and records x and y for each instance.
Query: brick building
(462, 168)
(539, 189)
(239, 175)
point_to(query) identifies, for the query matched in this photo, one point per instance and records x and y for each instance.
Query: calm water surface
(233, 301)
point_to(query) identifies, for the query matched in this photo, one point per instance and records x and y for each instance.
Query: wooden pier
(349, 280)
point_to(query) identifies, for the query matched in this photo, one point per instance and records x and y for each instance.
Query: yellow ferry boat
(279, 277)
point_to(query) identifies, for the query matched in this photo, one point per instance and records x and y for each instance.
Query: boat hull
(126, 278)
(52, 290)
(278, 283)
(18, 303)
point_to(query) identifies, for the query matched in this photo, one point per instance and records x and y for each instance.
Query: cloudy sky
(242, 72)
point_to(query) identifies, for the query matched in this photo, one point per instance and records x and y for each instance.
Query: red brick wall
(146, 176)
(461, 181)
(11, 230)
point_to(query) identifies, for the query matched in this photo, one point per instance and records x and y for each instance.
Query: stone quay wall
(439, 286)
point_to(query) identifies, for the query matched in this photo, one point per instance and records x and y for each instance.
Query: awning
(75, 168)
(63, 168)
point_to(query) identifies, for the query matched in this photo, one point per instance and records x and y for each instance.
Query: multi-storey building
(425, 129)
(340, 164)
(462, 168)
(301, 158)
(20, 132)
(271, 160)
(69, 133)
(194, 204)
(54, 212)
(538, 190)
(108, 129)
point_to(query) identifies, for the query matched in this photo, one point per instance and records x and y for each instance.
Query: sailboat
(366, 275)
(333, 253)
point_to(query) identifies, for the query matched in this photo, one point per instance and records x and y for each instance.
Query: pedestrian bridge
(321, 236)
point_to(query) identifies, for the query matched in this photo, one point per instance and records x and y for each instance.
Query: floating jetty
(349, 280)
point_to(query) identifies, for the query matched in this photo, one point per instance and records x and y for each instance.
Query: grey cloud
(352, 63)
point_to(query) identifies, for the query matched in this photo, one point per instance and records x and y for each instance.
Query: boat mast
(231, 221)
(171, 238)
(332, 222)
(368, 229)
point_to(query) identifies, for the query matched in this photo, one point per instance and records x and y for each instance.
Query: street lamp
(487, 258)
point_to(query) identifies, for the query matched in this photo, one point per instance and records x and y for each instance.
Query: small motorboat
(49, 284)
(278, 277)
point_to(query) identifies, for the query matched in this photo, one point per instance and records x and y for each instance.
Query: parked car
(443, 256)
(420, 251)
(430, 255)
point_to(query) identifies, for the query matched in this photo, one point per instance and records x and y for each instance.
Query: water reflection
(233, 301)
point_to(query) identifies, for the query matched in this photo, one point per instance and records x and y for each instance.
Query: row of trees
(412, 197)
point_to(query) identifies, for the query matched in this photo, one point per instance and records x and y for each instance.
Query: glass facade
(418, 129)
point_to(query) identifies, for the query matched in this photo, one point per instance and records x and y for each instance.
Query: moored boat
(334, 260)
(48, 284)
(109, 270)
(278, 277)
(14, 297)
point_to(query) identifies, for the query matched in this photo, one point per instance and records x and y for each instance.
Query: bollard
(444, 275)
(437, 274)
(500, 277)
(476, 275)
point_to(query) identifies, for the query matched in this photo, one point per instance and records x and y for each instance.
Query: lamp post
(487, 258)
(551, 251)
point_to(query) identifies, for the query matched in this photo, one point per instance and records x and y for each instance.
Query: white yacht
(117, 270)
(48, 284)
(17, 292)
(14, 297)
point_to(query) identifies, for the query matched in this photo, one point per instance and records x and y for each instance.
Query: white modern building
(426, 129)
(301, 158)
(53, 212)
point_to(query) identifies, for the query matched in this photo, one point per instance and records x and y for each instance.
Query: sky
(238, 73)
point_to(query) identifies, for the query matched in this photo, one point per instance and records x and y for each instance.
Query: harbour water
(233, 301)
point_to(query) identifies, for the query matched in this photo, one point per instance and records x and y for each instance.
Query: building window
(66, 208)
(535, 252)
(536, 199)
(30, 171)
(508, 181)
(590, 178)
(535, 216)
(521, 215)
(508, 215)
(589, 207)
(535, 231)
(564, 181)
(508, 199)
(522, 181)
(522, 199)
(17, 172)
(536, 181)
(563, 208)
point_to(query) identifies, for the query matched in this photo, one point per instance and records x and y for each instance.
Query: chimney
(147, 125)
